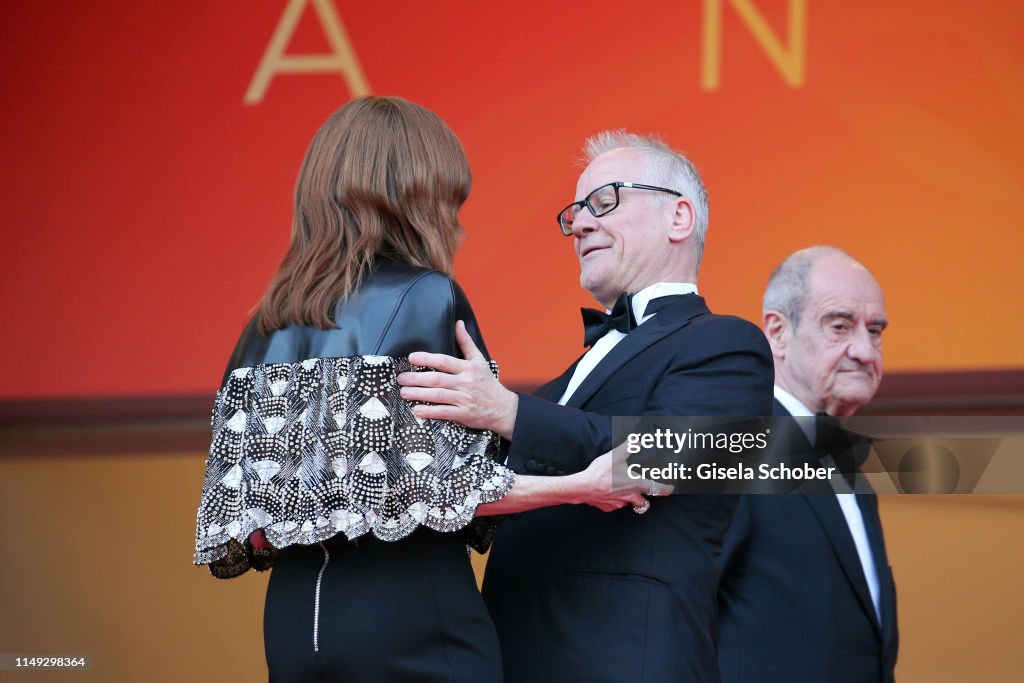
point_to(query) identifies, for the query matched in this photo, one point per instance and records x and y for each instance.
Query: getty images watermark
(824, 455)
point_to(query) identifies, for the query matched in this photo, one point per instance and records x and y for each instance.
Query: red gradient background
(145, 207)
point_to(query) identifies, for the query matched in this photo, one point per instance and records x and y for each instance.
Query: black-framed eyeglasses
(601, 201)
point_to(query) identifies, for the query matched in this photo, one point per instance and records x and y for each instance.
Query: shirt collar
(797, 409)
(791, 403)
(658, 289)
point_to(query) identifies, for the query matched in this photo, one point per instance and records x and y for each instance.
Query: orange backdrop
(145, 202)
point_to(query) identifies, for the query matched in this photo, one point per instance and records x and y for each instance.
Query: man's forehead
(850, 296)
(617, 164)
(838, 281)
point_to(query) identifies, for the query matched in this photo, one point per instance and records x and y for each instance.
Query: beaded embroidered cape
(326, 446)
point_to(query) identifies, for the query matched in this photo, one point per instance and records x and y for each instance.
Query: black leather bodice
(397, 309)
(311, 438)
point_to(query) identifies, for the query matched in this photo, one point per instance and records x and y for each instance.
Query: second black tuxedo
(582, 595)
(795, 606)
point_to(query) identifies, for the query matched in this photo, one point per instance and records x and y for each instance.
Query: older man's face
(836, 350)
(625, 250)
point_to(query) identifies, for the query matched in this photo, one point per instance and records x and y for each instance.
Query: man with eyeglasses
(578, 594)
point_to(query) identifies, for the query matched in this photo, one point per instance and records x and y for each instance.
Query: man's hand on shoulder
(462, 391)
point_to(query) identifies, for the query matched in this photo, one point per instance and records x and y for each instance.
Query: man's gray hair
(788, 287)
(665, 167)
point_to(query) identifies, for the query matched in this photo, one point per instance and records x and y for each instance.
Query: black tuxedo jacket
(582, 595)
(794, 603)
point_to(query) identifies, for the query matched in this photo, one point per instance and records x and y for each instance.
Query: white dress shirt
(847, 501)
(606, 343)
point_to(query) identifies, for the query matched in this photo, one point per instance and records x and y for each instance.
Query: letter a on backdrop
(342, 58)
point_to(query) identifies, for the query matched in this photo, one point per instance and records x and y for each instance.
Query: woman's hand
(606, 484)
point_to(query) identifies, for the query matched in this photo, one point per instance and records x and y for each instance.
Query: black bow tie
(831, 438)
(597, 323)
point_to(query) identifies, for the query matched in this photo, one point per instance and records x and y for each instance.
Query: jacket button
(550, 470)
(531, 465)
(560, 473)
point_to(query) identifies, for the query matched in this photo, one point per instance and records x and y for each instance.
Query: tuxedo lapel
(868, 503)
(830, 516)
(666, 322)
(553, 390)
(778, 409)
(826, 509)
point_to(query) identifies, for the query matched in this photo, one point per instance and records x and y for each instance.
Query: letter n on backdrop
(789, 60)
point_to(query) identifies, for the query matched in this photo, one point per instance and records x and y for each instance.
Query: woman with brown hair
(318, 467)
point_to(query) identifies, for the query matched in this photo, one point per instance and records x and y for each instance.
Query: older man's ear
(683, 220)
(776, 329)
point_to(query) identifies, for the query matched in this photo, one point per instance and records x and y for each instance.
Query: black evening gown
(371, 509)
(389, 611)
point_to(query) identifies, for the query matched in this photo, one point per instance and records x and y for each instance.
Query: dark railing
(180, 424)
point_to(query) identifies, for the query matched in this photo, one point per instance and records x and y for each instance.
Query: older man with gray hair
(807, 594)
(577, 594)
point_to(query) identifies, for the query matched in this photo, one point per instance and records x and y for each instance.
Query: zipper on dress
(316, 600)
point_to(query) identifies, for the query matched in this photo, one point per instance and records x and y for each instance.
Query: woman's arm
(604, 485)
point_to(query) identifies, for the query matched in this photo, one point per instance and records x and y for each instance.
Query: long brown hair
(382, 177)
